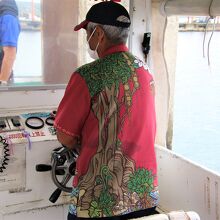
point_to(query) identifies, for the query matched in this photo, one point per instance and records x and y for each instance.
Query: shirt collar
(115, 49)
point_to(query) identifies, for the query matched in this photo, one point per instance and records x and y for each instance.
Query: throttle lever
(43, 167)
(55, 195)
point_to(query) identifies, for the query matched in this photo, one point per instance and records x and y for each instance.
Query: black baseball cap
(106, 13)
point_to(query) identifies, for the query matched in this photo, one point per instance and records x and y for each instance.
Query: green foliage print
(103, 204)
(94, 210)
(103, 73)
(141, 182)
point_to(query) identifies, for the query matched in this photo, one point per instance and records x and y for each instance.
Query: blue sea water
(197, 100)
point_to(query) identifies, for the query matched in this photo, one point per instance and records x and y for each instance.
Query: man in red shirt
(108, 107)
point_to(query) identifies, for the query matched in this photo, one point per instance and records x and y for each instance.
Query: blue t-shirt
(9, 30)
(9, 25)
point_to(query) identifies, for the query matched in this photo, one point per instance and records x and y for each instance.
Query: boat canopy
(191, 7)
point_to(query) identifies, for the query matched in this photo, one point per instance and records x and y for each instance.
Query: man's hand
(68, 141)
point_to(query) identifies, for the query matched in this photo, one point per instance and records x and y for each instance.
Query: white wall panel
(184, 185)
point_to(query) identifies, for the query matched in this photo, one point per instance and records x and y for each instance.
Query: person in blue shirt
(9, 33)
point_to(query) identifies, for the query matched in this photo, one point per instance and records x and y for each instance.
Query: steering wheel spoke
(66, 179)
(62, 167)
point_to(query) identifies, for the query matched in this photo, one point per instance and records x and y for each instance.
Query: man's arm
(72, 112)
(7, 62)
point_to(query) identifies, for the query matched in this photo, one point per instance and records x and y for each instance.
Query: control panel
(21, 133)
(37, 126)
(27, 138)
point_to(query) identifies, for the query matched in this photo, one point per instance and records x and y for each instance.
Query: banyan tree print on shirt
(116, 172)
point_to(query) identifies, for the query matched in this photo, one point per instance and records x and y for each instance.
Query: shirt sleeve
(10, 30)
(74, 108)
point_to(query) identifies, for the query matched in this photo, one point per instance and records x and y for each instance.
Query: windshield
(48, 50)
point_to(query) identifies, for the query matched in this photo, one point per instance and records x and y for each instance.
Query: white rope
(213, 30)
(210, 9)
(163, 8)
(204, 37)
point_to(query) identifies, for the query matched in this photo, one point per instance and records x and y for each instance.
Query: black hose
(6, 154)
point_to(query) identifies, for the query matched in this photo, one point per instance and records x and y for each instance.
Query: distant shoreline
(29, 25)
(198, 27)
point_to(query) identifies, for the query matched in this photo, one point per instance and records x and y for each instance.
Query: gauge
(34, 122)
(50, 120)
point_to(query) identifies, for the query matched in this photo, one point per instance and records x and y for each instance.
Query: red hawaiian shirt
(109, 105)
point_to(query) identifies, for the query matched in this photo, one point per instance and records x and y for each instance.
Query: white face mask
(92, 53)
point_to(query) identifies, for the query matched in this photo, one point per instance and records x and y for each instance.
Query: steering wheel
(63, 164)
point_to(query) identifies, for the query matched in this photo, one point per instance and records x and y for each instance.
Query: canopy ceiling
(191, 7)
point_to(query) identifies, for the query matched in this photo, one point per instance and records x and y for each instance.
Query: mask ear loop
(91, 34)
(97, 46)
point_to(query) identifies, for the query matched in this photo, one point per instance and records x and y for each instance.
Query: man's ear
(100, 33)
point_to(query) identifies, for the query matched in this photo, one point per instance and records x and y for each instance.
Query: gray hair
(116, 35)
